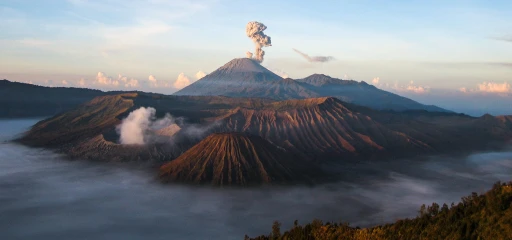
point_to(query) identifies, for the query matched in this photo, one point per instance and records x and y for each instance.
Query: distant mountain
(27, 100)
(361, 93)
(237, 159)
(244, 77)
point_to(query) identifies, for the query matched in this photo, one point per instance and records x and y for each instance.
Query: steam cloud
(134, 127)
(254, 30)
(314, 58)
(142, 127)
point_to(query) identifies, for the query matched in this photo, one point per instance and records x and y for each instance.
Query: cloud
(64, 82)
(200, 75)
(155, 83)
(314, 58)
(81, 83)
(411, 87)
(491, 87)
(280, 73)
(505, 38)
(103, 80)
(417, 89)
(182, 81)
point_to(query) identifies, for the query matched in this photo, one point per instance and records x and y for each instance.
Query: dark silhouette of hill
(237, 159)
(243, 77)
(484, 216)
(20, 100)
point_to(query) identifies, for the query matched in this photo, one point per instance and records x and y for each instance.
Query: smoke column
(254, 30)
(314, 58)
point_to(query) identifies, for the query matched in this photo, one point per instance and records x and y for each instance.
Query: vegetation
(486, 216)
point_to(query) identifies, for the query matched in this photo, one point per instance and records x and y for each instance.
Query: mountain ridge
(243, 77)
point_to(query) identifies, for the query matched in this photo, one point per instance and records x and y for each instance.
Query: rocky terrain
(237, 159)
(318, 130)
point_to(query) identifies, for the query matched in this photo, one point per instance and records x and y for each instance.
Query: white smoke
(134, 127)
(142, 127)
(254, 30)
(314, 58)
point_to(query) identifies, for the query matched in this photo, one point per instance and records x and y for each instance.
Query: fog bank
(45, 197)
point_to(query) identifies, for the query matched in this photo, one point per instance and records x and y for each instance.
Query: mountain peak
(242, 65)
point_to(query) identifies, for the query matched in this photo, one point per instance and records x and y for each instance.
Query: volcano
(237, 159)
(244, 77)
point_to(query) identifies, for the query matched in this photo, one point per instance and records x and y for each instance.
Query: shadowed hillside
(237, 159)
(485, 216)
(21, 100)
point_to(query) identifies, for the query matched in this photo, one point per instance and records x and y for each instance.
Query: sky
(455, 54)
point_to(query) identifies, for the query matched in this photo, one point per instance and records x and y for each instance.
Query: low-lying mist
(44, 196)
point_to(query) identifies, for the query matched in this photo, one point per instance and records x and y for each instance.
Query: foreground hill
(237, 159)
(485, 216)
(20, 100)
(243, 77)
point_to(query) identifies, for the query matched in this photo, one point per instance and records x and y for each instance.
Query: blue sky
(415, 48)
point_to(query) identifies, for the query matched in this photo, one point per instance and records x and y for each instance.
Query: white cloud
(103, 80)
(411, 87)
(200, 75)
(81, 83)
(417, 89)
(64, 82)
(376, 81)
(280, 73)
(152, 78)
(182, 81)
(491, 87)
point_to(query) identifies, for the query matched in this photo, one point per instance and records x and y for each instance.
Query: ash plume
(254, 30)
(314, 58)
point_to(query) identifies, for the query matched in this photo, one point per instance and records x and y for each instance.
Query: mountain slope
(477, 216)
(244, 77)
(319, 127)
(361, 93)
(236, 159)
(27, 100)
